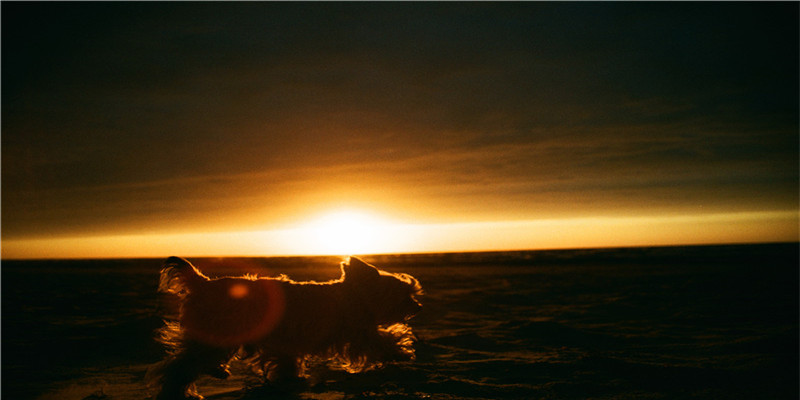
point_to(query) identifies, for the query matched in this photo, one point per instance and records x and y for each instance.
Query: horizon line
(511, 250)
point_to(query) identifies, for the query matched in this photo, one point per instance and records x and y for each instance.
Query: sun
(347, 232)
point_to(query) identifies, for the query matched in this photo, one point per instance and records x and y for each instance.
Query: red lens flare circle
(231, 312)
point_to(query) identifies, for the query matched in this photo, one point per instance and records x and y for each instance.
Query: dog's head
(388, 297)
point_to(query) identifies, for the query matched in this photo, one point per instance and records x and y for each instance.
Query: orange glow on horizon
(357, 232)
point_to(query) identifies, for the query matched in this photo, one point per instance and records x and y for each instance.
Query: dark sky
(173, 117)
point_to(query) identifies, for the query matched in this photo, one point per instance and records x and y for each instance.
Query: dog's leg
(183, 369)
(285, 375)
(284, 369)
(177, 382)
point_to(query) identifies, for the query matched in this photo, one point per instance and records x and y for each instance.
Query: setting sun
(346, 232)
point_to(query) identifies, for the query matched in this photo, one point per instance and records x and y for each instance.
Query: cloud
(180, 117)
(253, 178)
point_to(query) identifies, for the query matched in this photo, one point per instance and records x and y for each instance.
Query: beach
(695, 322)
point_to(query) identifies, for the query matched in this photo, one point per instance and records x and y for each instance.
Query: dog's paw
(221, 372)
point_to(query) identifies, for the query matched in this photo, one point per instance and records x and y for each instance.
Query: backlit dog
(356, 322)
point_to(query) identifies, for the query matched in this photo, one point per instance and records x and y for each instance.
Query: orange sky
(231, 129)
(373, 236)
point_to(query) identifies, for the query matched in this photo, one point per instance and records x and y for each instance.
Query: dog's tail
(179, 277)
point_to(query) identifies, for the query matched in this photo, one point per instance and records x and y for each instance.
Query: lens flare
(259, 306)
(238, 291)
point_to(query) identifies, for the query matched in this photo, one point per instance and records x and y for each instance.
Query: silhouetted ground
(647, 323)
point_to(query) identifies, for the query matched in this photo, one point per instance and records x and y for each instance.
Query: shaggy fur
(357, 322)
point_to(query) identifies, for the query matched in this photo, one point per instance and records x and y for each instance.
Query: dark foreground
(646, 323)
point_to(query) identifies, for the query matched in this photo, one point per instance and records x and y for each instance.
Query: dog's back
(226, 311)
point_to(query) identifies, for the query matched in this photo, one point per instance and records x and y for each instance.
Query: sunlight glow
(345, 232)
(352, 232)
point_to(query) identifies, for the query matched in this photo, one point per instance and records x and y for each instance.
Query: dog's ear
(356, 269)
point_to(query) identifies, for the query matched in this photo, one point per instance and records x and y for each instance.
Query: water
(647, 323)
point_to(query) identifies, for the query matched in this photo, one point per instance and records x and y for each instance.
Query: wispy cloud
(184, 117)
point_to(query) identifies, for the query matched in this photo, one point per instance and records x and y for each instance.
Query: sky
(152, 129)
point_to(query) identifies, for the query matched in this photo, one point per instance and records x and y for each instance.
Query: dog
(279, 327)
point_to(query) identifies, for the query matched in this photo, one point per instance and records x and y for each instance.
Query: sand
(684, 322)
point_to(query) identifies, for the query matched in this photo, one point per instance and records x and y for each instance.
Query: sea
(696, 322)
